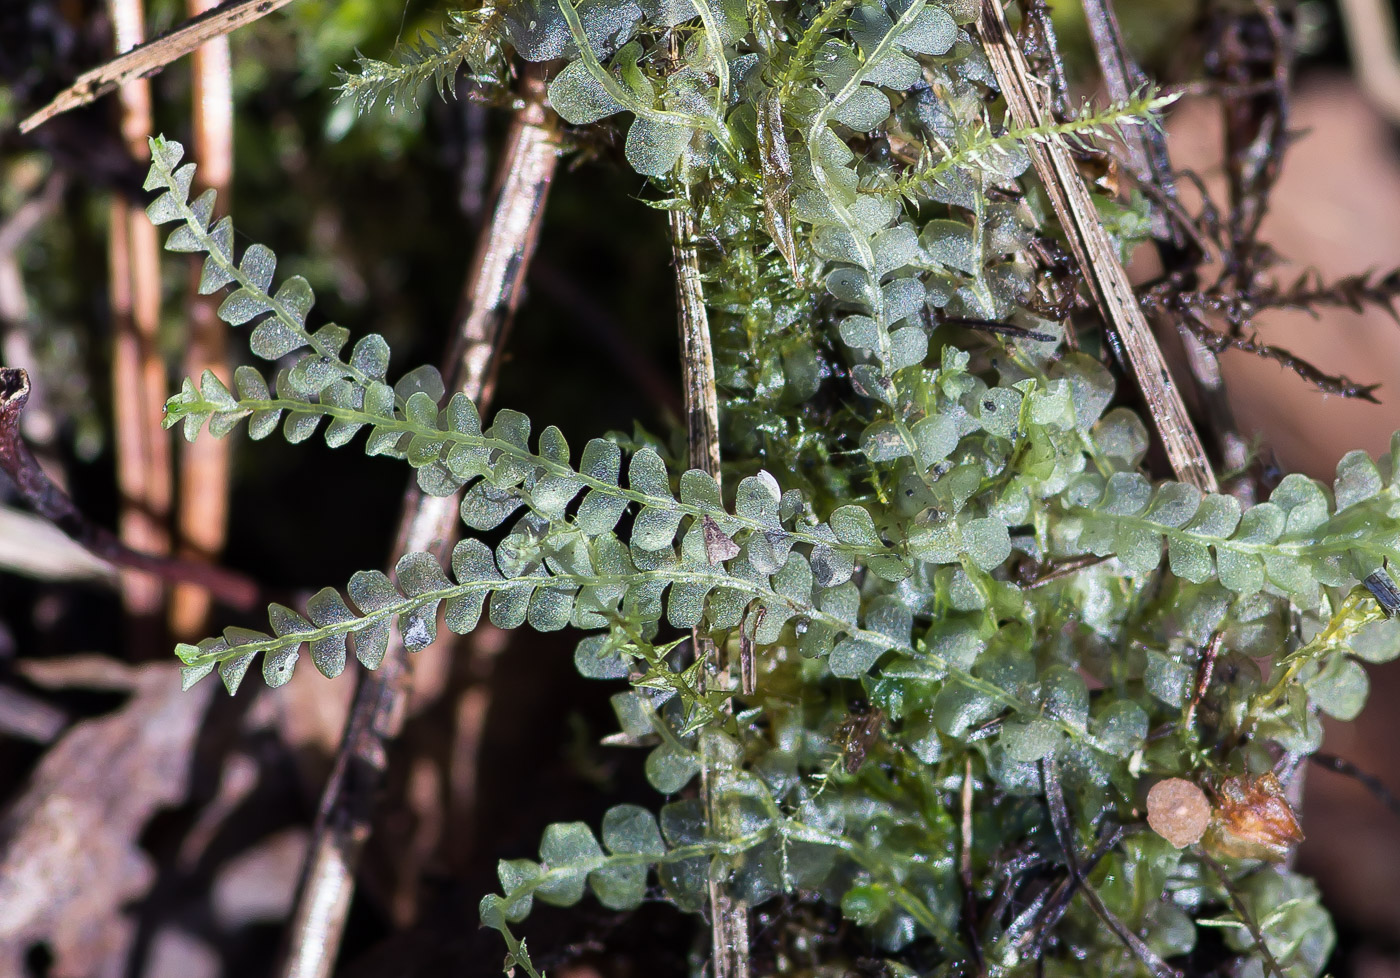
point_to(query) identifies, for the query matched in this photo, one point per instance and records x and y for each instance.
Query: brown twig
(1039, 39)
(144, 480)
(1255, 132)
(1107, 280)
(1216, 341)
(147, 59)
(1000, 328)
(1057, 900)
(729, 917)
(969, 888)
(498, 270)
(202, 512)
(50, 502)
(1204, 671)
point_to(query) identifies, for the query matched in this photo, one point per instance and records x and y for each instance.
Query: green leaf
(884, 442)
(932, 32)
(1340, 689)
(852, 525)
(986, 542)
(669, 768)
(1120, 727)
(653, 146)
(1030, 739)
(568, 853)
(579, 98)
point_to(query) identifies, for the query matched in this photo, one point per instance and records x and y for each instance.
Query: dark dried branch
(1353, 293)
(1146, 145)
(1248, 49)
(1368, 781)
(1217, 342)
(53, 504)
(1059, 897)
(1002, 329)
(1038, 38)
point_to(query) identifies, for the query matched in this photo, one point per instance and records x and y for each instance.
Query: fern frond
(553, 575)
(988, 151)
(275, 335)
(450, 451)
(1295, 544)
(471, 38)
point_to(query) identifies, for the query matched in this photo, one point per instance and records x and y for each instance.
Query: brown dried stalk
(1092, 249)
(144, 480)
(202, 512)
(429, 523)
(1250, 48)
(729, 917)
(147, 59)
(1216, 341)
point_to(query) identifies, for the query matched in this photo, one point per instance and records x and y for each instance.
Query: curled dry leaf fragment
(1253, 820)
(718, 546)
(1178, 811)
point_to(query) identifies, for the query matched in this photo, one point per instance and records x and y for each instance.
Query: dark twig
(1064, 834)
(1058, 899)
(1251, 48)
(53, 504)
(1352, 292)
(1039, 576)
(1146, 145)
(1370, 782)
(1245, 916)
(1000, 328)
(1216, 341)
(500, 263)
(1039, 38)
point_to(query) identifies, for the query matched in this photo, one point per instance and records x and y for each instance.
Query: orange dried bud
(1255, 820)
(1178, 811)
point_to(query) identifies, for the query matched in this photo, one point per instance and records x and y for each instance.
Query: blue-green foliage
(914, 516)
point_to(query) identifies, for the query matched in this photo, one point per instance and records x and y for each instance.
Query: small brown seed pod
(1178, 811)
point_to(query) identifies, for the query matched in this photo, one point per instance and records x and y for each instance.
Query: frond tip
(436, 57)
(985, 149)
